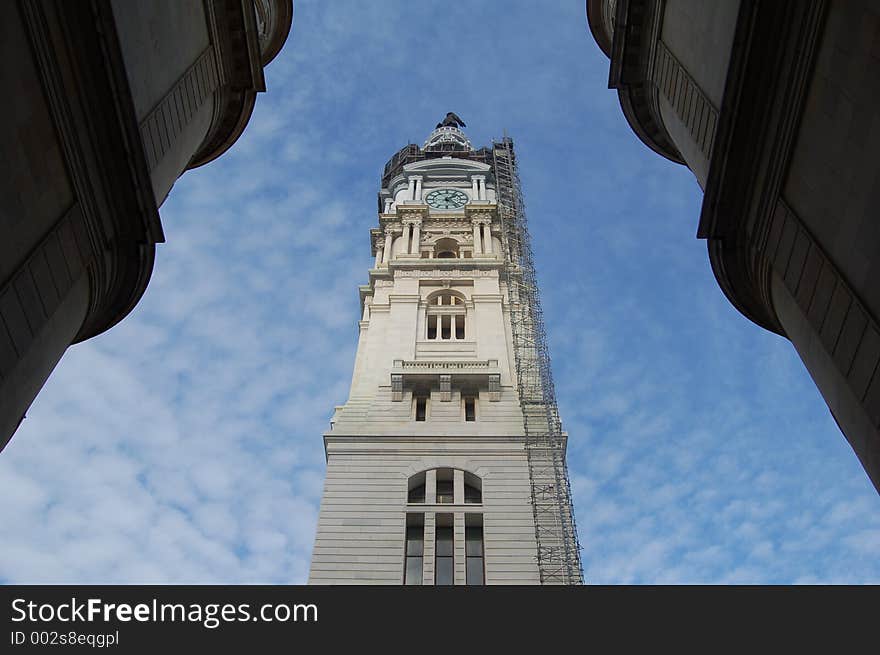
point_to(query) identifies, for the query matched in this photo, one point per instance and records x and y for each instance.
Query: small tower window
(445, 487)
(444, 553)
(446, 318)
(415, 549)
(421, 403)
(473, 550)
(416, 493)
(470, 408)
(473, 489)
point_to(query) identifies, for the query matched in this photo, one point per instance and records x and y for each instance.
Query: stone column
(475, 189)
(416, 236)
(407, 232)
(487, 240)
(380, 250)
(478, 248)
(412, 188)
(388, 203)
(386, 252)
(418, 191)
(479, 183)
(367, 301)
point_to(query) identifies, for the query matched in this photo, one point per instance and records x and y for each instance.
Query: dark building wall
(772, 105)
(108, 103)
(165, 45)
(689, 69)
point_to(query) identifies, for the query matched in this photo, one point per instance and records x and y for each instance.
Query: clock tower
(447, 463)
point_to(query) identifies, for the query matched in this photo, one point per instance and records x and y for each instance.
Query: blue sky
(184, 445)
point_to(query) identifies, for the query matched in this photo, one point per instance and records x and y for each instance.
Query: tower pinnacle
(448, 135)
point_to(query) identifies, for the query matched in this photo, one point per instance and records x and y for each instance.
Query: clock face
(446, 199)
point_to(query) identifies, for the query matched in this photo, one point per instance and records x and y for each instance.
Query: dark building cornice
(241, 52)
(636, 24)
(274, 20)
(95, 117)
(596, 20)
(769, 72)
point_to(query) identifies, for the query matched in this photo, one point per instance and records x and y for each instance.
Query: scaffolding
(558, 550)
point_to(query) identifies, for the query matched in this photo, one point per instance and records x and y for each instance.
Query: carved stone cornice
(481, 212)
(232, 26)
(274, 19)
(768, 76)
(83, 75)
(636, 32)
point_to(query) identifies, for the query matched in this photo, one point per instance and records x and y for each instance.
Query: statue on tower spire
(451, 120)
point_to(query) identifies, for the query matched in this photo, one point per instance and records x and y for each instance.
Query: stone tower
(447, 463)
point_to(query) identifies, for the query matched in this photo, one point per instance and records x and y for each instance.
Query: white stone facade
(433, 394)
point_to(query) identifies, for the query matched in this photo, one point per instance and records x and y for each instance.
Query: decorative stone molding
(161, 127)
(632, 57)
(396, 387)
(695, 110)
(445, 387)
(452, 273)
(494, 388)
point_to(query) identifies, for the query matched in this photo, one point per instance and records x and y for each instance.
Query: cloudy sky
(184, 445)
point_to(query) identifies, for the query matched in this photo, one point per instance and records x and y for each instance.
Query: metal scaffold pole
(558, 550)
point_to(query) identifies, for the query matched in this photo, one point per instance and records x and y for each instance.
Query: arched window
(446, 249)
(438, 487)
(445, 317)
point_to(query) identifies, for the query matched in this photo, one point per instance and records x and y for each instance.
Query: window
(416, 493)
(421, 403)
(473, 550)
(470, 408)
(415, 549)
(446, 249)
(473, 492)
(445, 317)
(438, 486)
(444, 557)
(446, 327)
(445, 487)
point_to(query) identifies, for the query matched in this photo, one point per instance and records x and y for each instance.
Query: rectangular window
(473, 550)
(445, 329)
(459, 327)
(415, 548)
(470, 408)
(444, 558)
(421, 408)
(445, 491)
(432, 326)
